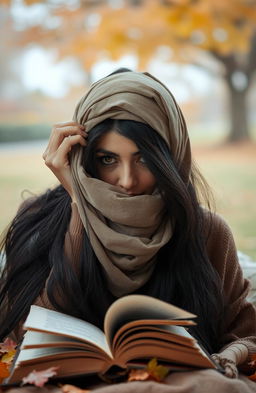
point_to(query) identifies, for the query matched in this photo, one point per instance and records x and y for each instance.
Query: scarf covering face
(127, 232)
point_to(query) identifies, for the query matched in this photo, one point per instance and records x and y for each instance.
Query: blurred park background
(204, 50)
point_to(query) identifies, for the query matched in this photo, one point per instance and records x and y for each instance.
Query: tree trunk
(239, 128)
(238, 75)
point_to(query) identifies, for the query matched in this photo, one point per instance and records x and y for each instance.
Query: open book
(137, 328)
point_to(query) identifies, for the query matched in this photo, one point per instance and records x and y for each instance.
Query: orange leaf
(73, 389)
(252, 365)
(138, 375)
(4, 370)
(252, 377)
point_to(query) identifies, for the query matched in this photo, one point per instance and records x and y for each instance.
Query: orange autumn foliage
(178, 31)
(252, 377)
(4, 371)
(7, 352)
(252, 364)
(95, 30)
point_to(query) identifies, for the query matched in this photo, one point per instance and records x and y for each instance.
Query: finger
(231, 371)
(72, 140)
(59, 134)
(64, 147)
(59, 158)
(69, 123)
(69, 130)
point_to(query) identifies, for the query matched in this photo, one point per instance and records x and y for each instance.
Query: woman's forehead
(115, 142)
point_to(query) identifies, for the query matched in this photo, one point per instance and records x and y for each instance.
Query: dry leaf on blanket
(39, 378)
(157, 371)
(73, 389)
(252, 377)
(7, 352)
(8, 345)
(8, 357)
(153, 371)
(252, 365)
(138, 375)
(4, 371)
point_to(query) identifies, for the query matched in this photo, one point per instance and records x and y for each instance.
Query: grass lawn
(230, 170)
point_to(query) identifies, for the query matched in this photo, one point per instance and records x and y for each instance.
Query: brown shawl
(127, 232)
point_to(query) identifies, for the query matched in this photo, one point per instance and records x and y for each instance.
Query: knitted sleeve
(239, 314)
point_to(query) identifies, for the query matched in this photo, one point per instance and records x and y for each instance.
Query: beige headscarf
(127, 232)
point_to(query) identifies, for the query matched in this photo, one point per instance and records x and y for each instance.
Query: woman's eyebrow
(111, 153)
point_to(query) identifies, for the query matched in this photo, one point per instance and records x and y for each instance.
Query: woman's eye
(107, 160)
(142, 161)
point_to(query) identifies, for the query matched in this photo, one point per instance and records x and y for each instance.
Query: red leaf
(39, 378)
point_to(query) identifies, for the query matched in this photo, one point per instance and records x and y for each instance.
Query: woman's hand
(227, 363)
(62, 138)
(232, 356)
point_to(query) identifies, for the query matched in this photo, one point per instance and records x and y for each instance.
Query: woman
(127, 219)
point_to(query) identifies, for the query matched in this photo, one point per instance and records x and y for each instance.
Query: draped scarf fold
(127, 232)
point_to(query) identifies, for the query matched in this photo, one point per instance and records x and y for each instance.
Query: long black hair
(183, 274)
(35, 257)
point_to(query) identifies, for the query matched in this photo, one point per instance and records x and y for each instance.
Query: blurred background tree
(216, 35)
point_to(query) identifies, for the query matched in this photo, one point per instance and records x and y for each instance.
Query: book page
(139, 307)
(167, 352)
(40, 354)
(131, 330)
(40, 339)
(35, 339)
(42, 319)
